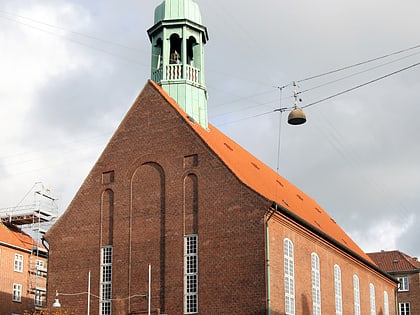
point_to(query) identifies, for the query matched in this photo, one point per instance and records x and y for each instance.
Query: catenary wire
(359, 63)
(362, 85)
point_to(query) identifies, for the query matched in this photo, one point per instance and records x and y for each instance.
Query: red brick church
(222, 232)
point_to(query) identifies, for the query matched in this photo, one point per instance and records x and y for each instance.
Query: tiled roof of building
(395, 261)
(265, 181)
(12, 236)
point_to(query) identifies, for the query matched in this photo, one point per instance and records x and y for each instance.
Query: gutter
(15, 247)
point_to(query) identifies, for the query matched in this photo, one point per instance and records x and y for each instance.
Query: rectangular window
(17, 292)
(191, 274)
(404, 284)
(40, 268)
(404, 308)
(18, 266)
(38, 298)
(106, 280)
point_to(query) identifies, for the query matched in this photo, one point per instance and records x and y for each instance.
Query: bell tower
(178, 38)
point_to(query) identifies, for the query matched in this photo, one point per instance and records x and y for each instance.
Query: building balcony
(174, 72)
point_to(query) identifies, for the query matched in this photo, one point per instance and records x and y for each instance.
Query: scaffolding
(34, 219)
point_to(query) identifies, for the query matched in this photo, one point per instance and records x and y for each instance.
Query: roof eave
(331, 240)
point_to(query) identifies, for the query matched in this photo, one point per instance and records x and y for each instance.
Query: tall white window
(372, 299)
(289, 277)
(386, 303)
(38, 298)
(17, 292)
(106, 280)
(404, 284)
(338, 291)
(405, 308)
(191, 274)
(356, 289)
(316, 285)
(18, 266)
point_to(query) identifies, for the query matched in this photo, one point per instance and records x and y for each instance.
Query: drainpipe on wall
(267, 260)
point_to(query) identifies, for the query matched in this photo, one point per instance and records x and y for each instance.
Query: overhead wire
(361, 85)
(359, 64)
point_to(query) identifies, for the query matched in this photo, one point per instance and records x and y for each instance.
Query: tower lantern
(178, 38)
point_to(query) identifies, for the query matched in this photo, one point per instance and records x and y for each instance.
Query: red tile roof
(12, 236)
(395, 261)
(263, 180)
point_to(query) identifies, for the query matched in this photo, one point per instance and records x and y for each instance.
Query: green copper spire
(178, 38)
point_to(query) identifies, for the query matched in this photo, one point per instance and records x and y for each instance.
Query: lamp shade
(296, 117)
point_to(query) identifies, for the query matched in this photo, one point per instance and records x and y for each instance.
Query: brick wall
(305, 243)
(155, 182)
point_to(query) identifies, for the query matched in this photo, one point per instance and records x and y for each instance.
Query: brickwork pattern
(157, 181)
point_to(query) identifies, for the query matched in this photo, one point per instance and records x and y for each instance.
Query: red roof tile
(14, 237)
(395, 261)
(265, 181)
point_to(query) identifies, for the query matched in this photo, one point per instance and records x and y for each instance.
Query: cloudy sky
(70, 70)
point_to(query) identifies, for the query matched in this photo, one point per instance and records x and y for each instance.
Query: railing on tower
(175, 72)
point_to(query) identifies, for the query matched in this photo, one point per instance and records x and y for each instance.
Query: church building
(176, 218)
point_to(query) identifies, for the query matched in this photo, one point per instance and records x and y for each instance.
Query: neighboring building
(23, 257)
(223, 233)
(23, 266)
(407, 270)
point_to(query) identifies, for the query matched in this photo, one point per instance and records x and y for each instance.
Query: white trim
(356, 289)
(191, 274)
(289, 277)
(316, 284)
(338, 293)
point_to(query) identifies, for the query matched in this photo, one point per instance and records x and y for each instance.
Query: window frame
(404, 284)
(386, 303)
(38, 297)
(316, 284)
(356, 297)
(17, 292)
(191, 274)
(372, 299)
(289, 277)
(407, 310)
(105, 281)
(338, 290)
(18, 263)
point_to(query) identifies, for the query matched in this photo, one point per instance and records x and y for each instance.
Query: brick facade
(401, 265)
(27, 277)
(157, 181)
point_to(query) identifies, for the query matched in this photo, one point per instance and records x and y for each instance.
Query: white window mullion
(356, 289)
(17, 292)
(289, 277)
(316, 284)
(338, 291)
(106, 280)
(372, 299)
(191, 274)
